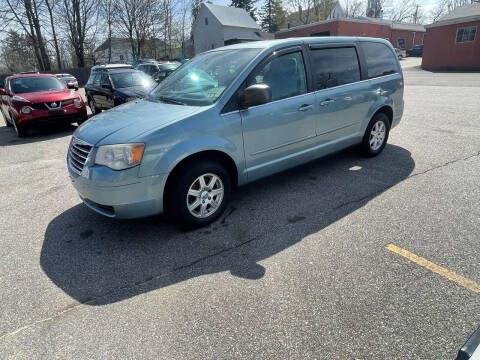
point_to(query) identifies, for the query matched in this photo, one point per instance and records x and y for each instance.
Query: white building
(121, 52)
(218, 26)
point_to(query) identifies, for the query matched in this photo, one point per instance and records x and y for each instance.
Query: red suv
(33, 99)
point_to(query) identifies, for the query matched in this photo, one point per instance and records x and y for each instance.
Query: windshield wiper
(170, 100)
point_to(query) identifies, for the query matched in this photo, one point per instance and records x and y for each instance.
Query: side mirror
(71, 85)
(253, 95)
(2, 91)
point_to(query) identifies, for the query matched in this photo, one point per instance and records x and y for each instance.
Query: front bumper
(119, 194)
(69, 114)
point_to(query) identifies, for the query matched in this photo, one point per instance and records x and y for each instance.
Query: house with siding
(217, 26)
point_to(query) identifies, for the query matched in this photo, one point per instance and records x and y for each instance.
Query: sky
(426, 5)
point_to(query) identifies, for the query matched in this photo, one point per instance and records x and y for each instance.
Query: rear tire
(199, 194)
(376, 135)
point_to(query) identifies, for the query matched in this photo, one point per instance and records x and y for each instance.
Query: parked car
(233, 115)
(165, 69)
(112, 85)
(33, 99)
(417, 50)
(142, 61)
(154, 68)
(67, 78)
(401, 53)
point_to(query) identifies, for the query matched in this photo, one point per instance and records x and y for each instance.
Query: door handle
(326, 102)
(305, 107)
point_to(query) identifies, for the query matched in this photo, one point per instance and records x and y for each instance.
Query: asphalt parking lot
(304, 264)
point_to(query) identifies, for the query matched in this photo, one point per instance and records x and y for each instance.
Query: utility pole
(415, 14)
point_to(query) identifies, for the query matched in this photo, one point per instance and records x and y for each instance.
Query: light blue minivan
(231, 116)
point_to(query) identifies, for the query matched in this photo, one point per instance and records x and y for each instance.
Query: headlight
(26, 110)
(120, 156)
(77, 102)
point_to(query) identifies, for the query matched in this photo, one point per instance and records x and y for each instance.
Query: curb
(471, 349)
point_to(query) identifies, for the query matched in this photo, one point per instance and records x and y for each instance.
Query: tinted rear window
(380, 59)
(335, 67)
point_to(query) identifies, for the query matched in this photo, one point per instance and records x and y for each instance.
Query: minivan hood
(125, 122)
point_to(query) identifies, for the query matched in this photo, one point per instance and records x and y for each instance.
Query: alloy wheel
(377, 135)
(205, 195)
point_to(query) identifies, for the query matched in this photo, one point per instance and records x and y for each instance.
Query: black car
(154, 68)
(417, 50)
(112, 85)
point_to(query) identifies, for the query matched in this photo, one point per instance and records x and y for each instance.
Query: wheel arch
(387, 110)
(215, 155)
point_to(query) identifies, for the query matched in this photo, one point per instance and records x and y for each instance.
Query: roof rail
(111, 66)
(26, 72)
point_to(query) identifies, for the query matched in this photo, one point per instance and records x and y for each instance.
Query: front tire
(92, 106)
(8, 123)
(376, 135)
(199, 194)
(20, 129)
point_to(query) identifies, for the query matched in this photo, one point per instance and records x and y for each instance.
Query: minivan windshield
(35, 84)
(203, 79)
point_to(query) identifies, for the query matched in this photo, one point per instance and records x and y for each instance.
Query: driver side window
(105, 80)
(284, 74)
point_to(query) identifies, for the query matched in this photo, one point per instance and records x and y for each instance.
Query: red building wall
(411, 37)
(351, 28)
(441, 52)
(308, 30)
(357, 28)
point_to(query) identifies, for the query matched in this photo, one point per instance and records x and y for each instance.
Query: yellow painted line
(450, 275)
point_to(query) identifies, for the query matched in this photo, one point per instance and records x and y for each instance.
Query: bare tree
(80, 18)
(107, 11)
(137, 19)
(51, 8)
(402, 10)
(26, 15)
(353, 8)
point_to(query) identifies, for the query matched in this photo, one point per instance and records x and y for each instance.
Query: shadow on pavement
(8, 136)
(97, 260)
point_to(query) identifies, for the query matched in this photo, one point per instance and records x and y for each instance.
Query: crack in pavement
(195, 262)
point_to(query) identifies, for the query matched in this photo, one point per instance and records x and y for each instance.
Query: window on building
(121, 57)
(335, 67)
(321, 33)
(380, 59)
(401, 43)
(284, 74)
(466, 34)
(206, 21)
(213, 46)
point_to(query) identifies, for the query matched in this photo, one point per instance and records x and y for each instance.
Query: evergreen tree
(247, 5)
(272, 15)
(195, 8)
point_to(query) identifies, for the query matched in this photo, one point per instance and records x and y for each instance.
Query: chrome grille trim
(78, 155)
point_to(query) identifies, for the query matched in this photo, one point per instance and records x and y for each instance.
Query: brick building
(401, 35)
(452, 43)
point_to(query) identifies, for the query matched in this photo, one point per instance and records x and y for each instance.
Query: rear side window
(380, 59)
(335, 66)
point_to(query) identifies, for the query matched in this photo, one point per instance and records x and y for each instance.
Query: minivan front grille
(79, 151)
